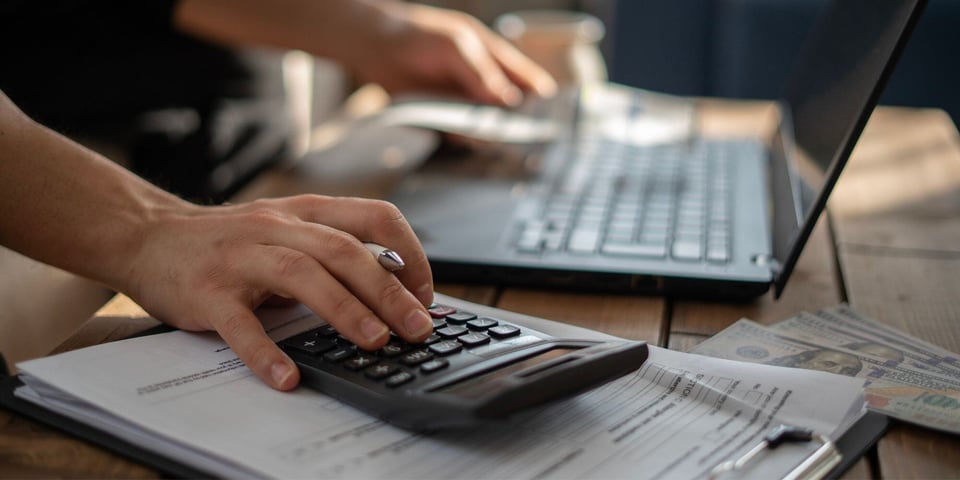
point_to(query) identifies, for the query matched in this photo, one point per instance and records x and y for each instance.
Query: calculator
(473, 369)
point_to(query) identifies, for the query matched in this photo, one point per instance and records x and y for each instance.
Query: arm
(401, 46)
(207, 268)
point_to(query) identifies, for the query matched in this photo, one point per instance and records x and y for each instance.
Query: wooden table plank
(897, 212)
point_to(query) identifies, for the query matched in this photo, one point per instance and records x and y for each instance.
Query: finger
(370, 221)
(244, 333)
(323, 267)
(480, 74)
(521, 70)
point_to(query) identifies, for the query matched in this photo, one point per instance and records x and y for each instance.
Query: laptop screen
(836, 82)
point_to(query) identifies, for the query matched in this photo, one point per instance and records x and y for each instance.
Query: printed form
(187, 396)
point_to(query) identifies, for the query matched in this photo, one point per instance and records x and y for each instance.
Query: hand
(420, 47)
(208, 268)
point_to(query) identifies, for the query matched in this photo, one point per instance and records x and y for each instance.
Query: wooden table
(890, 246)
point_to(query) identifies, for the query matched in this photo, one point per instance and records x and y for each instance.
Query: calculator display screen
(478, 386)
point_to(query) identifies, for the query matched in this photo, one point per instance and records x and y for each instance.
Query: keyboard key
(339, 354)
(393, 349)
(473, 339)
(327, 331)
(398, 379)
(584, 241)
(504, 331)
(460, 318)
(441, 311)
(416, 357)
(446, 347)
(360, 362)
(380, 371)
(482, 323)
(648, 250)
(434, 365)
(686, 250)
(717, 254)
(452, 331)
(308, 344)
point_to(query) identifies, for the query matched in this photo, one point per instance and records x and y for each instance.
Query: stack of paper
(187, 397)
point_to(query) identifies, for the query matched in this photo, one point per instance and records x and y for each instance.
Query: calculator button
(440, 311)
(338, 354)
(434, 365)
(473, 339)
(432, 339)
(393, 349)
(416, 357)
(439, 323)
(460, 318)
(482, 323)
(453, 331)
(446, 347)
(342, 340)
(398, 379)
(504, 331)
(360, 362)
(382, 370)
(326, 331)
(308, 344)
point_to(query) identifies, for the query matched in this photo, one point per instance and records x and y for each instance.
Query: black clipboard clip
(816, 466)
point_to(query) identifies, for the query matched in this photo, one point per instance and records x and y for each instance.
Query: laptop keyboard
(619, 200)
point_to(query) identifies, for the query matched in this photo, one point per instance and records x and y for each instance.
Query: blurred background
(743, 48)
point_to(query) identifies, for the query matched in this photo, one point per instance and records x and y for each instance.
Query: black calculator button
(308, 344)
(453, 331)
(473, 339)
(416, 357)
(439, 323)
(360, 362)
(380, 371)
(398, 379)
(482, 323)
(432, 339)
(339, 354)
(326, 331)
(434, 365)
(440, 311)
(504, 331)
(446, 347)
(342, 340)
(393, 349)
(460, 318)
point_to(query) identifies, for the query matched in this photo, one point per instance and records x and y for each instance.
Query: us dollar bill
(892, 387)
(831, 330)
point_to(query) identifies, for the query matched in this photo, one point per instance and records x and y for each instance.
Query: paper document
(185, 395)
(905, 377)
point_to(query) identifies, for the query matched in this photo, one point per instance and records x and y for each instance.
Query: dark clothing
(195, 118)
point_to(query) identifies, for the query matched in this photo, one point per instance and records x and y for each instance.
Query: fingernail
(280, 372)
(418, 323)
(373, 330)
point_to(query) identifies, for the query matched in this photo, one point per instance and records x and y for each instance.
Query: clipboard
(854, 443)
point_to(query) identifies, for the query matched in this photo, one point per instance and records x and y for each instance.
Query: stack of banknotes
(904, 377)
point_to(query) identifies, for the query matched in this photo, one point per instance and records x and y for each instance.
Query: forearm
(341, 30)
(67, 206)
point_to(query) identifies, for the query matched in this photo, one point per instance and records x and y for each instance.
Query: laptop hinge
(766, 260)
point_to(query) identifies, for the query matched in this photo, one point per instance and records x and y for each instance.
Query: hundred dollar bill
(848, 318)
(830, 330)
(894, 389)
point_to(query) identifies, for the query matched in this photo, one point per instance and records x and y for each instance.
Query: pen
(388, 258)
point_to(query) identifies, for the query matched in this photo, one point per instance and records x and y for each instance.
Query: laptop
(701, 217)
